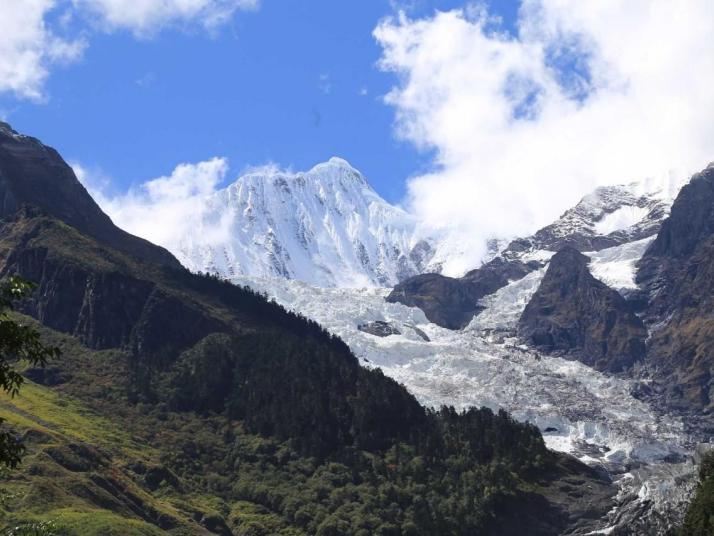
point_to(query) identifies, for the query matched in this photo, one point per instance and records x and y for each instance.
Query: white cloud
(28, 47)
(145, 17)
(518, 137)
(162, 210)
(324, 85)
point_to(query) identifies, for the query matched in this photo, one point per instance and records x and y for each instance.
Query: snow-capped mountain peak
(325, 226)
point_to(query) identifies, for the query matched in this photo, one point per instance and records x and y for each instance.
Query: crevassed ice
(504, 307)
(579, 410)
(576, 404)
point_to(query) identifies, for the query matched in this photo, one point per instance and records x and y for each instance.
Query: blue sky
(292, 82)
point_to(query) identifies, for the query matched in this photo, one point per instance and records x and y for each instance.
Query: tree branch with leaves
(18, 343)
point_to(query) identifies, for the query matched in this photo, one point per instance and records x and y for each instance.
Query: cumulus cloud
(324, 85)
(586, 94)
(163, 210)
(144, 17)
(28, 47)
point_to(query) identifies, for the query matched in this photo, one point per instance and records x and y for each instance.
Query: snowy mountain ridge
(326, 227)
(607, 217)
(329, 228)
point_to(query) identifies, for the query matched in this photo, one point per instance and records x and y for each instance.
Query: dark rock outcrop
(452, 302)
(104, 298)
(379, 328)
(33, 174)
(677, 274)
(574, 313)
(421, 333)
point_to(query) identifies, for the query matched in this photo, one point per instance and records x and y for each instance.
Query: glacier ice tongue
(476, 368)
(580, 411)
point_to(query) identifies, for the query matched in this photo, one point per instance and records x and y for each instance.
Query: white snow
(631, 210)
(503, 308)
(616, 266)
(621, 219)
(326, 226)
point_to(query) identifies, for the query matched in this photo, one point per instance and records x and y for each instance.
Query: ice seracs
(326, 227)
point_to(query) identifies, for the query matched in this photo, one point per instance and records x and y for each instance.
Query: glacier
(324, 244)
(616, 266)
(593, 416)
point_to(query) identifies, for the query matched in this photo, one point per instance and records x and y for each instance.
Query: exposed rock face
(446, 301)
(453, 302)
(574, 313)
(607, 217)
(677, 272)
(33, 174)
(105, 299)
(379, 328)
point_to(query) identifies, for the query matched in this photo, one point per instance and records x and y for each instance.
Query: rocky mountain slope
(326, 226)
(573, 312)
(673, 292)
(608, 217)
(677, 275)
(33, 174)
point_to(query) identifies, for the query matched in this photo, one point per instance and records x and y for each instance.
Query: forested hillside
(185, 404)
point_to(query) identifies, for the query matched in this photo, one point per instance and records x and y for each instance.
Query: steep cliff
(677, 274)
(33, 174)
(574, 313)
